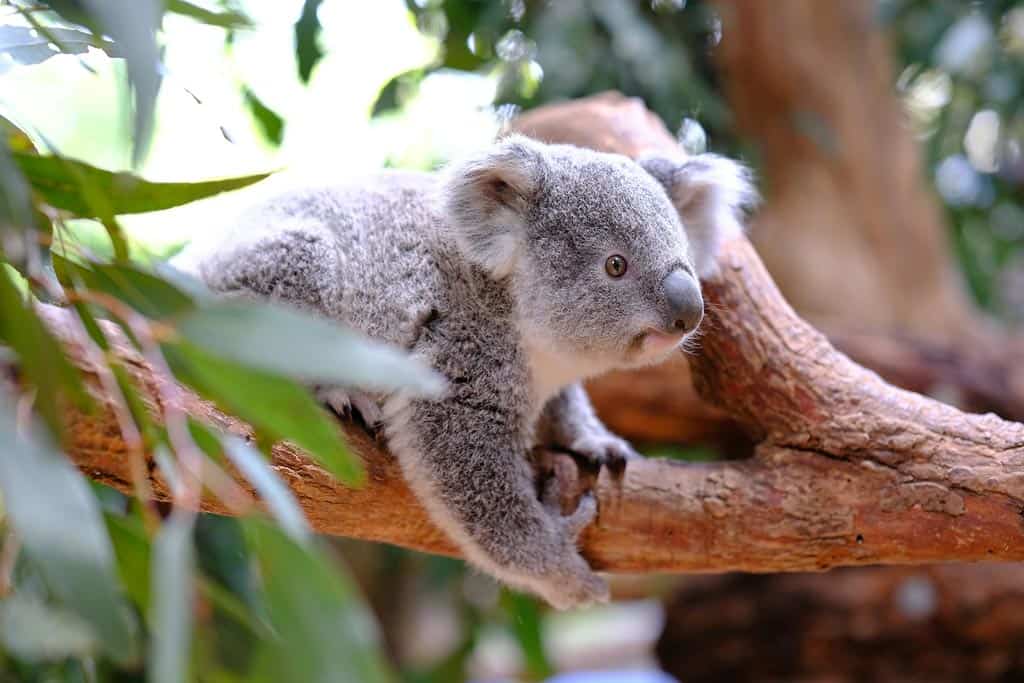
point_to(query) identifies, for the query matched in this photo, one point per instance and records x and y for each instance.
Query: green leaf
(15, 207)
(272, 404)
(133, 26)
(56, 516)
(149, 294)
(24, 45)
(58, 181)
(270, 122)
(303, 346)
(396, 91)
(132, 550)
(307, 34)
(526, 625)
(174, 595)
(272, 490)
(33, 630)
(325, 633)
(225, 19)
(40, 356)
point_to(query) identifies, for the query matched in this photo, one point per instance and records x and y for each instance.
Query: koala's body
(515, 274)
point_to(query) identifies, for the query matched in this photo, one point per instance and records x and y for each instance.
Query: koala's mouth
(653, 343)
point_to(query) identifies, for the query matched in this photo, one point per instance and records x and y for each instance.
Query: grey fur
(494, 274)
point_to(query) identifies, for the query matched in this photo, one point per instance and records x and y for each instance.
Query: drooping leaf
(72, 11)
(58, 521)
(302, 346)
(132, 550)
(149, 294)
(133, 26)
(58, 180)
(325, 633)
(24, 45)
(40, 356)
(395, 91)
(15, 207)
(307, 36)
(271, 403)
(228, 18)
(272, 490)
(525, 618)
(173, 596)
(269, 121)
(17, 139)
(33, 630)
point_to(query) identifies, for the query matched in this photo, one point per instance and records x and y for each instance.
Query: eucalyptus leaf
(147, 293)
(23, 45)
(268, 484)
(173, 593)
(273, 404)
(40, 357)
(61, 183)
(132, 550)
(305, 347)
(33, 630)
(57, 518)
(133, 26)
(225, 18)
(269, 121)
(325, 632)
(307, 36)
(15, 207)
(525, 617)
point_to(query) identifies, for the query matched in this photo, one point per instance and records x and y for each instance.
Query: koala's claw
(345, 403)
(605, 449)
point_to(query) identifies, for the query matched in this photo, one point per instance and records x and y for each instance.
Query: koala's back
(367, 255)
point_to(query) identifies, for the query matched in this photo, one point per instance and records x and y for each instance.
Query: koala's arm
(710, 193)
(466, 458)
(569, 422)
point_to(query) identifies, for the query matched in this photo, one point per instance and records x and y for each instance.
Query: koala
(516, 274)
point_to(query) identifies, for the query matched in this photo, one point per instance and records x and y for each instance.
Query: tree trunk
(938, 624)
(849, 231)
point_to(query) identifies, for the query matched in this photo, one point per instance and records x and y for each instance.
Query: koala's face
(598, 260)
(606, 267)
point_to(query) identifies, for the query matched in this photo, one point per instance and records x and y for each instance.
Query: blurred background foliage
(328, 89)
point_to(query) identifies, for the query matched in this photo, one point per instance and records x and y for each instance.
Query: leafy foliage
(103, 585)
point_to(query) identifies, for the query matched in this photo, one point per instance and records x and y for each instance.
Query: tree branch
(847, 469)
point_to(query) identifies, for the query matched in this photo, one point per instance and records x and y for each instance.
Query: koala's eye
(615, 266)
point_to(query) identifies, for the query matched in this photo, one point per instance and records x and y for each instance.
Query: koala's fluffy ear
(487, 198)
(710, 193)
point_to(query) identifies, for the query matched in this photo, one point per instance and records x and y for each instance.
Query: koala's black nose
(686, 305)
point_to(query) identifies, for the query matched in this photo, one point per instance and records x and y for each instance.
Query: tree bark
(939, 624)
(811, 85)
(847, 469)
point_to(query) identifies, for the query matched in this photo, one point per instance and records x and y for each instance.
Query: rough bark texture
(810, 84)
(936, 624)
(848, 470)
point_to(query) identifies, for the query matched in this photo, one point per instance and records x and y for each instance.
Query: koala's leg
(465, 458)
(568, 421)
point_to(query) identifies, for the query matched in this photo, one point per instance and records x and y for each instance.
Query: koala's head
(601, 260)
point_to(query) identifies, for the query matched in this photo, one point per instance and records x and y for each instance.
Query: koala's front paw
(604, 448)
